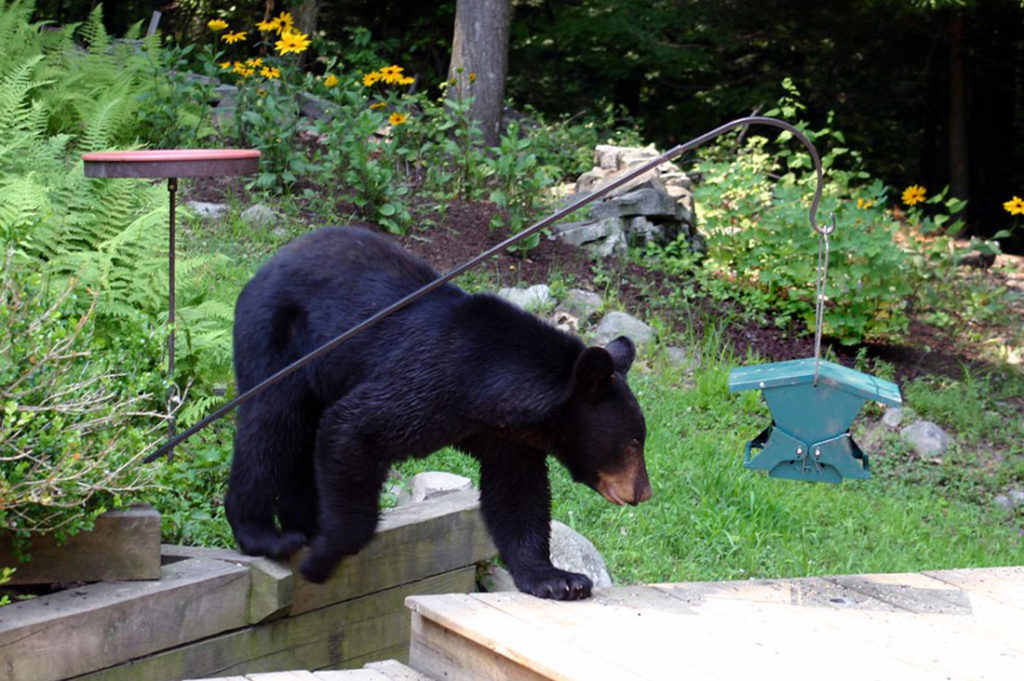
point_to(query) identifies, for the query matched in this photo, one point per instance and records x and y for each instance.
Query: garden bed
(216, 612)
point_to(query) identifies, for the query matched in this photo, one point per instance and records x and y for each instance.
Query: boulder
(533, 298)
(615, 324)
(580, 304)
(893, 417)
(571, 551)
(206, 210)
(258, 215)
(926, 438)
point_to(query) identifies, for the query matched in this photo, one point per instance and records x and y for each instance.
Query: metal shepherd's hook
(675, 152)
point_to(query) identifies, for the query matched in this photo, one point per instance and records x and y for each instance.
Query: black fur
(312, 452)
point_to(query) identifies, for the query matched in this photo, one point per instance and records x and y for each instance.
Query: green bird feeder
(812, 401)
(809, 437)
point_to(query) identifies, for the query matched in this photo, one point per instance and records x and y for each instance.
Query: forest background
(930, 91)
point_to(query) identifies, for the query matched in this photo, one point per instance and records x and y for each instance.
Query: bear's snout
(628, 484)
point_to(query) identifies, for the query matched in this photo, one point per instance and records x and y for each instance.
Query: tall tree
(479, 62)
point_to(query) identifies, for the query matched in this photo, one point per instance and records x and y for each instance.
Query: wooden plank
(272, 586)
(345, 634)
(102, 624)
(398, 652)
(396, 671)
(414, 540)
(122, 545)
(643, 621)
(1005, 584)
(804, 591)
(531, 644)
(440, 653)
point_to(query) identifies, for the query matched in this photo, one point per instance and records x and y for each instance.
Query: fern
(110, 235)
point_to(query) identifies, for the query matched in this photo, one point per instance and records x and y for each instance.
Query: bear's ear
(623, 352)
(592, 373)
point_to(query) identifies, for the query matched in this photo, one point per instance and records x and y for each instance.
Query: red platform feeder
(171, 164)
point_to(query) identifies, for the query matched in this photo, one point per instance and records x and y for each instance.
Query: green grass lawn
(712, 519)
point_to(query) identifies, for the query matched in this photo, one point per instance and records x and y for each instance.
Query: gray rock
(681, 357)
(640, 230)
(650, 200)
(926, 438)
(583, 305)
(258, 215)
(1016, 496)
(432, 484)
(206, 210)
(615, 324)
(497, 579)
(893, 417)
(316, 108)
(571, 551)
(582, 233)
(226, 95)
(591, 180)
(533, 298)
(614, 245)
(1004, 502)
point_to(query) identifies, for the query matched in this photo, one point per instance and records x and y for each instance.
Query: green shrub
(75, 418)
(753, 205)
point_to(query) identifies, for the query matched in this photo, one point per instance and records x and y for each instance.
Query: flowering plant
(267, 113)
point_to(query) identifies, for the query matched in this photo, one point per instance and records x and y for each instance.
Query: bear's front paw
(554, 583)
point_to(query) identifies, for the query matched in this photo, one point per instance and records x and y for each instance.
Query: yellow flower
(406, 80)
(377, 106)
(397, 118)
(224, 64)
(254, 61)
(864, 203)
(913, 194)
(266, 26)
(270, 72)
(1014, 206)
(243, 70)
(284, 19)
(216, 24)
(371, 78)
(292, 41)
(330, 80)
(232, 38)
(472, 78)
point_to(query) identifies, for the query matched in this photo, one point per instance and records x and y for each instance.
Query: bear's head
(601, 430)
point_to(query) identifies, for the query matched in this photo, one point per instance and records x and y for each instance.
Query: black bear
(312, 451)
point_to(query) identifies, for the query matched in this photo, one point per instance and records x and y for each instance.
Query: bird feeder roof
(801, 371)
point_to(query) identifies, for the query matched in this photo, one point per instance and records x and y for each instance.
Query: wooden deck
(957, 624)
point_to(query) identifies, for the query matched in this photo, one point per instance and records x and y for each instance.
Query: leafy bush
(83, 287)
(74, 418)
(753, 204)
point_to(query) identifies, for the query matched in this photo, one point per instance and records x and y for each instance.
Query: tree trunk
(958, 160)
(479, 61)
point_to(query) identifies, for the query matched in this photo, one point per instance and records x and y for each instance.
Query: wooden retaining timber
(949, 624)
(122, 545)
(215, 612)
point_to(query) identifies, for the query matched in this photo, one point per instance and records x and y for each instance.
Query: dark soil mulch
(462, 231)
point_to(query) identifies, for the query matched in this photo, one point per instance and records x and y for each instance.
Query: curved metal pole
(673, 153)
